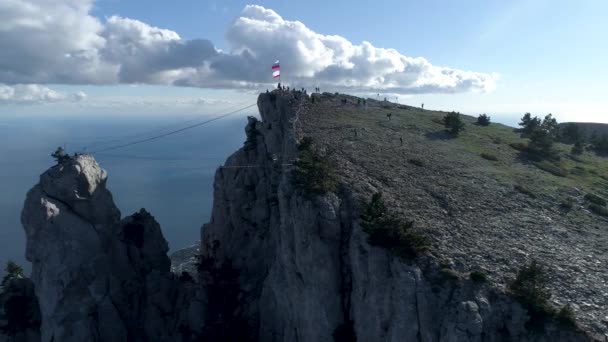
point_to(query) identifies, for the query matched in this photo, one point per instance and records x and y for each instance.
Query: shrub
(479, 276)
(598, 209)
(579, 171)
(416, 162)
(520, 146)
(12, 271)
(489, 156)
(577, 149)
(551, 168)
(483, 120)
(524, 190)
(530, 289)
(60, 156)
(595, 199)
(567, 203)
(566, 316)
(570, 134)
(600, 144)
(453, 123)
(386, 230)
(252, 133)
(541, 145)
(313, 173)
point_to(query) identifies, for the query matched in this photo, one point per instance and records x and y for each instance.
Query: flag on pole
(276, 70)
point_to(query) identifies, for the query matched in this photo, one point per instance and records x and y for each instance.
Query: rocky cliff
(97, 277)
(275, 264)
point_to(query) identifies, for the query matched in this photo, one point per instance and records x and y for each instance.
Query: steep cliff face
(274, 264)
(307, 273)
(99, 278)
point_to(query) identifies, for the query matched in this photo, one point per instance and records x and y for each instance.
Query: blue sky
(544, 56)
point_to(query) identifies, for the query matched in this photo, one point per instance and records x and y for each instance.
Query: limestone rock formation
(307, 273)
(275, 264)
(99, 278)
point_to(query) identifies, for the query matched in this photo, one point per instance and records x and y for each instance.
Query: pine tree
(483, 120)
(12, 271)
(453, 123)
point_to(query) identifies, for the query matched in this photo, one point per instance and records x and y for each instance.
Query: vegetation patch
(595, 199)
(453, 123)
(314, 173)
(551, 168)
(479, 277)
(385, 229)
(13, 271)
(530, 289)
(489, 156)
(566, 316)
(567, 203)
(483, 120)
(524, 190)
(519, 146)
(416, 162)
(598, 209)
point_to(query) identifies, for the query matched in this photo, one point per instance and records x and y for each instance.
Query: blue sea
(171, 177)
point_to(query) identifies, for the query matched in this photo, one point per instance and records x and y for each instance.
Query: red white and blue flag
(276, 70)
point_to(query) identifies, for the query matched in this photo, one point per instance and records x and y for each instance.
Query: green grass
(587, 172)
(552, 168)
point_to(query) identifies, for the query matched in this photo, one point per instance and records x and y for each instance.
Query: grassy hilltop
(485, 205)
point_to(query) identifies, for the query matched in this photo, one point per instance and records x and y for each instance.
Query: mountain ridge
(276, 264)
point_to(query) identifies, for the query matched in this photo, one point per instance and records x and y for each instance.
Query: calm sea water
(171, 177)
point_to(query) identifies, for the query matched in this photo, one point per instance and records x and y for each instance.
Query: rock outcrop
(99, 278)
(274, 265)
(307, 273)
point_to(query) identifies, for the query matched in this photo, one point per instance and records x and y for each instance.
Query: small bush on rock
(489, 156)
(12, 271)
(314, 173)
(479, 276)
(530, 289)
(595, 199)
(567, 203)
(60, 156)
(566, 316)
(598, 209)
(524, 190)
(386, 230)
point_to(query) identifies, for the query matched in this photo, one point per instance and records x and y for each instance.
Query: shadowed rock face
(275, 265)
(306, 271)
(19, 312)
(98, 278)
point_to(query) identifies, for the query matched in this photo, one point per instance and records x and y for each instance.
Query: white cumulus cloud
(59, 41)
(34, 94)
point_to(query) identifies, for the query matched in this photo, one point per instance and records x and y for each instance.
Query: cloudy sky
(192, 56)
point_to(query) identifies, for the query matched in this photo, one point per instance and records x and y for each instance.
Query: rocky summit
(300, 246)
